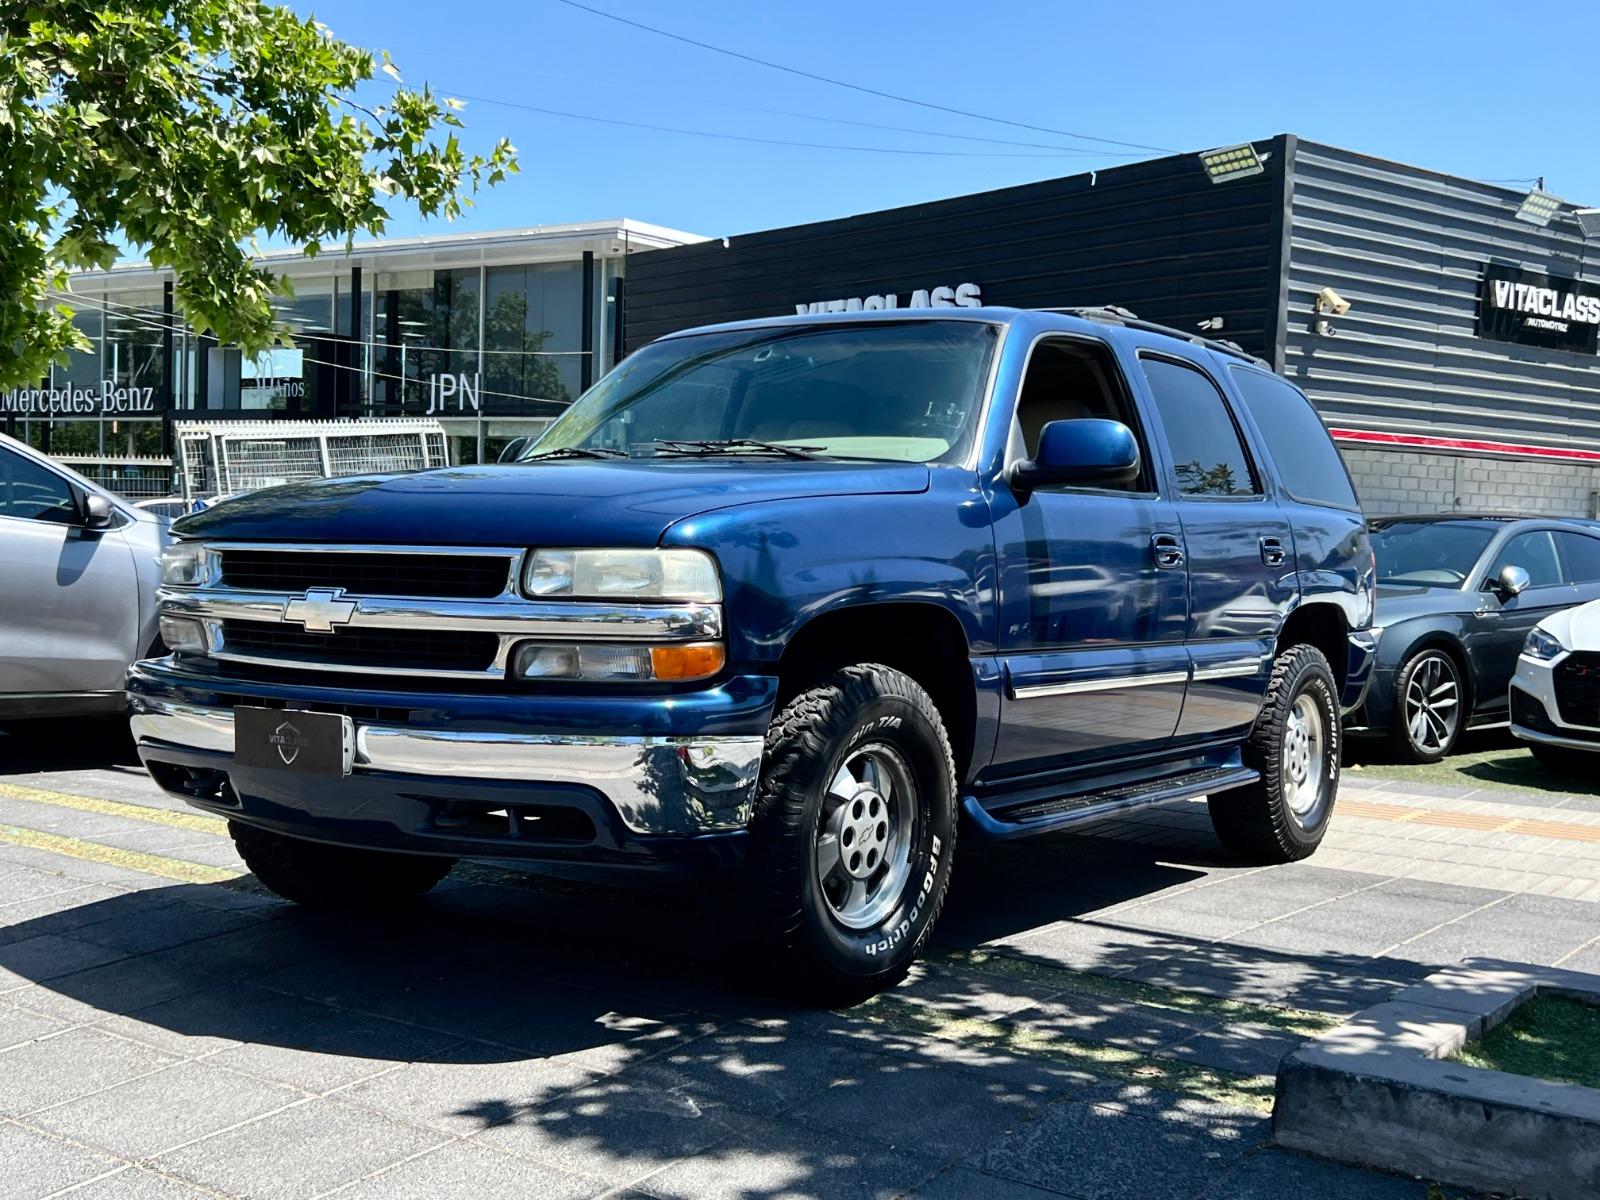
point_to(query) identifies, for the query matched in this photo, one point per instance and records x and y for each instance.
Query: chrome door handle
(1272, 552)
(1168, 550)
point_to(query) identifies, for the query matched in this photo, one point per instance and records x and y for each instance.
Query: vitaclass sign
(1536, 309)
(108, 399)
(962, 295)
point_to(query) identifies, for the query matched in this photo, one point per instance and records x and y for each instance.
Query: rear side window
(1207, 453)
(1308, 463)
(1580, 555)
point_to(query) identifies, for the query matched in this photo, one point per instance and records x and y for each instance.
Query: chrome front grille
(368, 573)
(356, 649)
(399, 611)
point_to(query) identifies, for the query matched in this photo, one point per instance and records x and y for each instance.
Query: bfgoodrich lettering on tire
(853, 831)
(1295, 744)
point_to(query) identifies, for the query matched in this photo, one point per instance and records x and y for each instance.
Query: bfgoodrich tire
(1295, 745)
(853, 833)
(334, 877)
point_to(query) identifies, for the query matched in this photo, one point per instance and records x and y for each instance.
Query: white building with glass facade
(491, 333)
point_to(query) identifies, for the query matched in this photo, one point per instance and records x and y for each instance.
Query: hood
(1576, 628)
(563, 503)
(1396, 604)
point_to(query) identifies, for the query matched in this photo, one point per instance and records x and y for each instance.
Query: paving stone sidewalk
(1100, 1019)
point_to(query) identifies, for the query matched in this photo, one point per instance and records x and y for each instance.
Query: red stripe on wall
(1413, 441)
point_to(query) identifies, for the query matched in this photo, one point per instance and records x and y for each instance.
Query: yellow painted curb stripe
(197, 822)
(1373, 810)
(116, 856)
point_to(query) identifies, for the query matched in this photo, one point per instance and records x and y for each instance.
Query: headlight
(1542, 646)
(592, 662)
(184, 564)
(622, 575)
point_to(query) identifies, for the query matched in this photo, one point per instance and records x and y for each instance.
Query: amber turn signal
(695, 661)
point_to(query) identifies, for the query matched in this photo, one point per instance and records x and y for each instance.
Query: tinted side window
(1580, 557)
(30, 491)
(1308, 463)
(1207, 453)
(1535, 553)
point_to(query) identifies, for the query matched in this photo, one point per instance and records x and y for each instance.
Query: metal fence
(133, 478)
(225, 458)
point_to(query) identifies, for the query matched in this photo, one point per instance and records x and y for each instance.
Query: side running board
(1046, 816)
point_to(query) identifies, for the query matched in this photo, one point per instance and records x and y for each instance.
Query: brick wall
(1391, 481)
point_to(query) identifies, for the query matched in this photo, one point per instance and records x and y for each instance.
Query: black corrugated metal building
(1464, 374)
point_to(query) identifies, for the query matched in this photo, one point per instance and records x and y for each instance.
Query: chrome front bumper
(658, 785)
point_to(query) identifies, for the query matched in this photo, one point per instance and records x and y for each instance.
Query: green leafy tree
(185, 129)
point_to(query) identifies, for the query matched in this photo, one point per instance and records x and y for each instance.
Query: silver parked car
(78, 575)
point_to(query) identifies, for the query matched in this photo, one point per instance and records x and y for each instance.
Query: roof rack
(1111, 314)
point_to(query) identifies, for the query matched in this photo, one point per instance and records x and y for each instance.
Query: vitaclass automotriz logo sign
(1532, 308)
(108, 399)
(962, 295)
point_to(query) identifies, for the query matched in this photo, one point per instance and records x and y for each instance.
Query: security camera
(1329, 301)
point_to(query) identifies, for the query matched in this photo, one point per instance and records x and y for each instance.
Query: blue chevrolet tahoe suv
(798, 597)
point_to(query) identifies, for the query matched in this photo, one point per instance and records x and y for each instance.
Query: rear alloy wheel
(1427, 707)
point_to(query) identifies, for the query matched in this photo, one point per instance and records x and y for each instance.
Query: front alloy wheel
(1428, 709)
(863, 848)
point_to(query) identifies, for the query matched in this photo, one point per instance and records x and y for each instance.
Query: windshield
(1429, 553)
(907, 391)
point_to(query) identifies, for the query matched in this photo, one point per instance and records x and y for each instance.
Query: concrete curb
(1376, 1092)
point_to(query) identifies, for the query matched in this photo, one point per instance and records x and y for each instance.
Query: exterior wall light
(1538, 207)
(1232, 162)
(1589, 222)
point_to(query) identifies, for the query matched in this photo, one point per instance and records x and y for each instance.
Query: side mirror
(513, 449)
(97, 511)
(1512, 581)
(1087, 452)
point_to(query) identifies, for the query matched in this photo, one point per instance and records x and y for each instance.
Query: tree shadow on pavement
(610, 1032)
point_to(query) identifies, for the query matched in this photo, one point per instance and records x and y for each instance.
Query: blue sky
(1487, 90)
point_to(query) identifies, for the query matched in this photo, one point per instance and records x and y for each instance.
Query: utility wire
(1055, 152)
(857, 87)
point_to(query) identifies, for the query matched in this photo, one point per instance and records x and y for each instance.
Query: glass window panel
(82, 368)
(425, 326)
(1535, 553)
(134, 323)
(1207, 453)
(533, 326)
(32, 492)
(1307, 461)
(1580, 555)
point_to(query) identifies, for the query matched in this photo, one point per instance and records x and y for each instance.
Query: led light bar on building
(1589, 221)
(1538, 207)
(1232, 162)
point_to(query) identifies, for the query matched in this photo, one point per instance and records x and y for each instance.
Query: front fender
(786, 562)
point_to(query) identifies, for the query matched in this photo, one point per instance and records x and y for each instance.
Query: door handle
(1272, 552)
(1168, 550)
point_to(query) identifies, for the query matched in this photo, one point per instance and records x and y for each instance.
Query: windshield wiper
(708, 446)
(574, 452)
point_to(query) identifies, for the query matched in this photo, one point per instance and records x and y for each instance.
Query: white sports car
(1555, 693)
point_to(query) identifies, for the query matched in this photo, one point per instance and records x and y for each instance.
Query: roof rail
(1111, 314)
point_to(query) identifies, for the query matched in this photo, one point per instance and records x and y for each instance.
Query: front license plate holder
(294, 740)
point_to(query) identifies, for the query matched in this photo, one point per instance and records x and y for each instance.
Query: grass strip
(1549, 1037)
(1250, 1092)
(1105, 987)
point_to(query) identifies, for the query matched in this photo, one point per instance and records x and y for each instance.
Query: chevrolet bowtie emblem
(320, 609)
